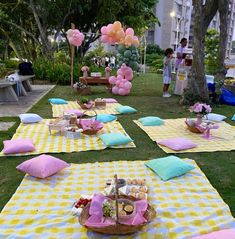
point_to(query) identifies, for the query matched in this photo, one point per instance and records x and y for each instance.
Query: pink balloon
(75, 41)
(109, 28)
(110, 40)
(130, 31)
(123, 91)
(127, 85)
(123, 66)
(135, 38)
(121, 85)
(117, 82)
(112, 80)
(103, 30)
(120, 72)
(128, 70)
(104, 38)
(119, 77)
(129, 77)
(115, 90)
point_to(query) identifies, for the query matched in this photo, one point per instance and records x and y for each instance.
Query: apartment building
(176, 17)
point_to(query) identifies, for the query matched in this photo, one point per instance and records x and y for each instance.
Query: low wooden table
(91, 80)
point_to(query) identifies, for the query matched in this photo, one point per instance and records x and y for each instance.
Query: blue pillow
(169, 167)
(233, 118)
(151, 121)
(105, 118)
(113, 139)
(126, 109)
(57, 101)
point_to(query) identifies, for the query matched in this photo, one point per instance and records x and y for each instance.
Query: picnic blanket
(56, 143)
(58, 110)
(223, 138)
(186, 206)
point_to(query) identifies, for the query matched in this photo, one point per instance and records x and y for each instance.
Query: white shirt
(180, 50)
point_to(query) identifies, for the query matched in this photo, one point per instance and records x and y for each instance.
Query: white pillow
(30, 118)
(215, 117)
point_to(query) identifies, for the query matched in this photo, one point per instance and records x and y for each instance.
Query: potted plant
(85, 103)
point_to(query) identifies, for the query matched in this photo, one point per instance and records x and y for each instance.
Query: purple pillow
(76, 112)
(110, 100)
(16, 146)
(223, 234)
(177, 143)
(42, 166)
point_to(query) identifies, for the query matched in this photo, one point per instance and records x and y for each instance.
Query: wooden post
(72, 58)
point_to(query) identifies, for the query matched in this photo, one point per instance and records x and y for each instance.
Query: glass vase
(199, 119)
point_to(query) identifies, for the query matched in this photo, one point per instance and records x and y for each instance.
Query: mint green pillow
(124, 109)
(169, 167)
(151, 121)
(113, 139)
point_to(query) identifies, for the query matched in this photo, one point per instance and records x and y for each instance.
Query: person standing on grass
(167, 68)
(180, 52)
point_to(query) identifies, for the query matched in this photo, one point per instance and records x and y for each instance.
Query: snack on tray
(128, 208)
(140, 182)
(134, 187)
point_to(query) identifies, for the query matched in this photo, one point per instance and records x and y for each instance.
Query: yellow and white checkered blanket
(58, 110)
(223, 138)
(186, 206)
(55, 143)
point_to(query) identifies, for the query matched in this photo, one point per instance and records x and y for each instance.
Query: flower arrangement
(200, 109)
(85, 68)
(108, 69)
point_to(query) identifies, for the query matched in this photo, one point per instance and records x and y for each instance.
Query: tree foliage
(154, 48)
(211, 51)
(34, 20)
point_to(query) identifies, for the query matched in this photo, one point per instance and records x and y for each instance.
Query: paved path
(4, 126)
(25, 102)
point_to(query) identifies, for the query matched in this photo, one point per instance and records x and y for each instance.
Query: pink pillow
(42, 166)
(110, 100)
(177, 143)
(15, 146)
(76, 112)
(223, 234)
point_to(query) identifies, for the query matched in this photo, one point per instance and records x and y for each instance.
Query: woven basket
(117, 229)
(84, 91)
(88, 131)
(193, 128)
(83, 106)
(100, 104)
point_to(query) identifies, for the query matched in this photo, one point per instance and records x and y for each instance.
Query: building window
(150, 37)
(179, 9)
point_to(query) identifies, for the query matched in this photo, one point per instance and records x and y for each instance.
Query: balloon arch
(127, 53)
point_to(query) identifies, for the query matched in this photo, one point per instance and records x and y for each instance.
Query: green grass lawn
(146, 97)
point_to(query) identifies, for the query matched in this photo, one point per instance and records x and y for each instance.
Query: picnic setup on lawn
(160, 197)
(110, 156)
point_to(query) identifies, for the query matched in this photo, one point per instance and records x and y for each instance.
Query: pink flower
(200, 108)
(85, 68)
(108, 69)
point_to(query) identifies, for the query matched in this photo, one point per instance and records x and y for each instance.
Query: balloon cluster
(129, 56)
(122, 84)
(114, 33)
(75, 37)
